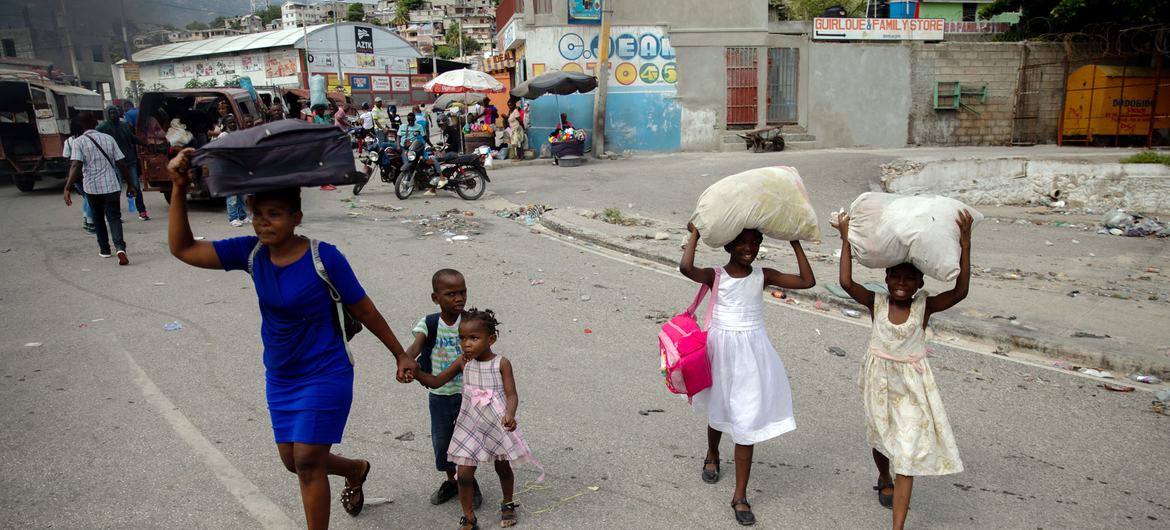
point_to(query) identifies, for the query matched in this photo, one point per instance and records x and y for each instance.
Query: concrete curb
(990, 334)
(1025, 182)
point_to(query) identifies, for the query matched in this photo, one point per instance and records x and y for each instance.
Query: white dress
(749, 396)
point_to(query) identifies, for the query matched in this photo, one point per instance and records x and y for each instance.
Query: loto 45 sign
(638, 55)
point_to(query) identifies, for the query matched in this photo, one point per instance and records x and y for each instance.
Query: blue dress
(309, 379)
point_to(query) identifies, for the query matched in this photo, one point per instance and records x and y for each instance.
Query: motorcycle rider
(366, 120)
(381, 119)
(407, 134)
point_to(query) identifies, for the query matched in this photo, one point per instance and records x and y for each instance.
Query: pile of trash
(530, 213)
(453, 222)
(1129, 224)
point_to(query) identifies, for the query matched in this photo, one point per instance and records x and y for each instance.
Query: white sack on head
(887, 229)
(771, 199)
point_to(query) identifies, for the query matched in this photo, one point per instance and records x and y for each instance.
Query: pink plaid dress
(479, 437)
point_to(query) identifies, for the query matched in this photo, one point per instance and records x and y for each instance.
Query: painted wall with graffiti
(642, 112)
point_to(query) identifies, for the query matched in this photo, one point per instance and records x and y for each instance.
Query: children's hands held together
(406, 370)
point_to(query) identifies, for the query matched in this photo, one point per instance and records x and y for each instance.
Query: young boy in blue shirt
(436, 346)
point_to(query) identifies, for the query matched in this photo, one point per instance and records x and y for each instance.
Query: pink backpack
(683, 345)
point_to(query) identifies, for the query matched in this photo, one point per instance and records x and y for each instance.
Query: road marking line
(266, 512)
(959, 344)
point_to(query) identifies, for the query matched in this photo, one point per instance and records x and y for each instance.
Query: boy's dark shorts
(444, 411)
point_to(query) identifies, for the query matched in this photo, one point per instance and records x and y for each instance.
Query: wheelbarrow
(759, 140)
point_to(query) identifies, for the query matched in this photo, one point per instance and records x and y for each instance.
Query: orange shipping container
(1106, 100)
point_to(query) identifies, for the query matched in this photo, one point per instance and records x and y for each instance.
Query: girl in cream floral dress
(906, 424)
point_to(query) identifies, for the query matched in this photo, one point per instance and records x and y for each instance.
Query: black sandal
(745, 517)
(710, 477)
(886, 501)
(508, 517)
(463, 522)
(348, 494)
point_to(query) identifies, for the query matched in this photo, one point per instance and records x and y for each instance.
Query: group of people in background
(103, 156)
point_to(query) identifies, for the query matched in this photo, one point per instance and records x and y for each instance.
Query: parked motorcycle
(463, 174)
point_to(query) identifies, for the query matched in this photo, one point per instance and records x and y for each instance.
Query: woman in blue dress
(308, 374)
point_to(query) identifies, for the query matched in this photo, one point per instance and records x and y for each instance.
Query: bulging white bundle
(886, 229)
(771, 199)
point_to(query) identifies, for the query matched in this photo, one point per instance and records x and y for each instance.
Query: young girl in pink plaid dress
(485, 430)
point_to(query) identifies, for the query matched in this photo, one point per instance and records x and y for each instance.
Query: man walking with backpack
(124, 136)
(101, 167)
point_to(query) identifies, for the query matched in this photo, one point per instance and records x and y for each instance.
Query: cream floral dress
(904, 413)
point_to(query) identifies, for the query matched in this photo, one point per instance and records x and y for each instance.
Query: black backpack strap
(424, 355)
(103, 152)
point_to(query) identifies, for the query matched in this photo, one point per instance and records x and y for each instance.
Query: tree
(196, 26)
(401, 14)
(356, 12)
(218, 22)
(411, 5)
(455, 36)
(1065, 16)
(446, 52)
(269, 14)
(809, 9)
(196, 83)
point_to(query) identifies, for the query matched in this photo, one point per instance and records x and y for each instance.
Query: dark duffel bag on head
(278, 154)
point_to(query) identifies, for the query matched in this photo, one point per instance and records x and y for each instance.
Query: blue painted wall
(635, 120)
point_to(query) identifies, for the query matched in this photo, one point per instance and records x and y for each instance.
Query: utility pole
(126, 53)
(337, 44)
(602, 81)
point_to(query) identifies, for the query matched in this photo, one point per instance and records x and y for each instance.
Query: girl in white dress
(749, 397)
(904, 416)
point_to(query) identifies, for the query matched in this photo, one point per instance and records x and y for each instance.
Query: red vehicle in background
(197, 110)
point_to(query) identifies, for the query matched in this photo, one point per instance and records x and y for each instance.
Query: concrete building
(249, 23)
(669, 83)
(372, 61)
(298, 14)
(72, 46)
(683, 76)
(188, 35)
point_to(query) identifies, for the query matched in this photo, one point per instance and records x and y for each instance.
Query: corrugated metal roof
(220, 45)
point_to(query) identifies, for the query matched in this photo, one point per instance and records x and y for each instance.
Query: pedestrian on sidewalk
(436, 347)
(517, 129)
(67, 152)
(308, 370)
(101, 168)
(485, 431)
(237, 210)
(128, 144)
(905, 422)
(749, 397)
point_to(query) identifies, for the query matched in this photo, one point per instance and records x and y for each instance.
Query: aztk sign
(878, 28)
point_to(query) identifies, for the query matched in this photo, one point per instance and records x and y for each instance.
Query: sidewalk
(1107, 313)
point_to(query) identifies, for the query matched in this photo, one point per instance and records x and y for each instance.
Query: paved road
(1019, 270)
(116, 423)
